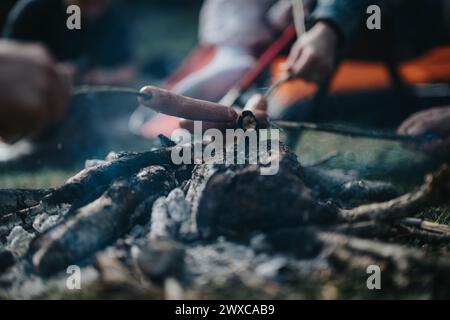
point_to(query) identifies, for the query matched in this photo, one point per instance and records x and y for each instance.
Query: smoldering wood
(99, 223)
(88, 185)
(12, 200)
(435, 190)
(347, 190)
(238, 200)
(235, 201)
(81, 187)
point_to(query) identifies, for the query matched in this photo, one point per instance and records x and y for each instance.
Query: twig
(366, 229)
(435, 189)
(426, 225)
(424, 235)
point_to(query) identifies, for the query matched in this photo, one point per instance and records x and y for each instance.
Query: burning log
(93, 181)
(238, 200)
(97, 224)
(347, 190)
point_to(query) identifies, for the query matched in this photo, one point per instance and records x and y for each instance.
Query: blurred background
(162, 33)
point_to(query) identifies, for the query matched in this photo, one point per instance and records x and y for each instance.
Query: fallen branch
(364, 229)
(426, 225)
(436, 189)
(425, 236)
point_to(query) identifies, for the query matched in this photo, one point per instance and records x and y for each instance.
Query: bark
(93, 181)
(348, 191)
(237, 200)
(99, 223)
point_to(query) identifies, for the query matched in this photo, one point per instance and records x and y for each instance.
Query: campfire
(137, 222)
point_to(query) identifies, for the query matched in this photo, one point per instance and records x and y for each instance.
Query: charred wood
(238, 200)
(17, 199)
(99, 223)
(348, 191)
(81, 187)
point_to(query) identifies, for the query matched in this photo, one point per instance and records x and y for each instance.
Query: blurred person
(435, 121)
(232, 34)
(34, 94)
(99, 53)
(419, 25)
(413, 27)
(5, 8)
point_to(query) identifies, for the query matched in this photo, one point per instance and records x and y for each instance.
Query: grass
(369, 158)
(42, 179)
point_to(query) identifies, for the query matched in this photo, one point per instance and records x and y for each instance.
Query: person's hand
(434, 121)
(313, 55)
(33, 93)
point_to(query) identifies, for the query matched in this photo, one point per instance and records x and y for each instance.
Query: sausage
(176, 105)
